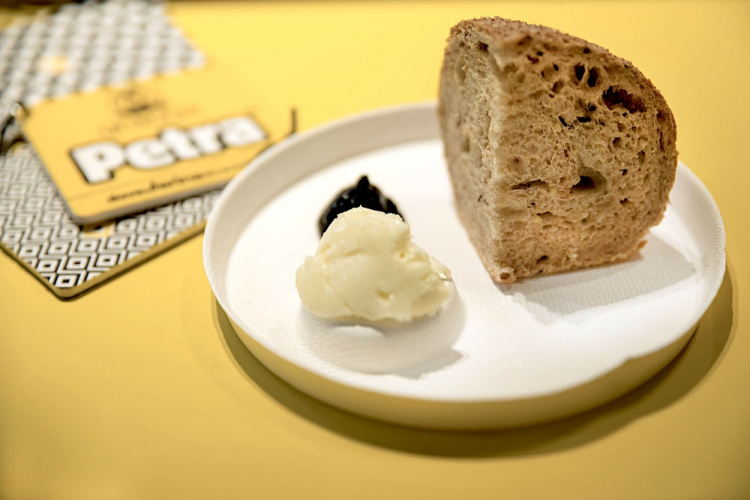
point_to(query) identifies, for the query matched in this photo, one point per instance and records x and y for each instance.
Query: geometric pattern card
(80, 48)
(36, 230)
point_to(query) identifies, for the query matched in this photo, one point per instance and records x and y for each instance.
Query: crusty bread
(561, 155)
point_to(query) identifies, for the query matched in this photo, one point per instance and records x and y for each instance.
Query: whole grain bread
(561, 155)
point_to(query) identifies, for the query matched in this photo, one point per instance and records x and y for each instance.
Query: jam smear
(363, 194)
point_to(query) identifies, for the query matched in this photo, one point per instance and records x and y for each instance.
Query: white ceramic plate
(496, 356)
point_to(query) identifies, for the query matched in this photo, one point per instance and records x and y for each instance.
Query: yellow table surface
(140, 389)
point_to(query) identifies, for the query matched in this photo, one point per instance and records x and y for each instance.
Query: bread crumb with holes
(561, 155)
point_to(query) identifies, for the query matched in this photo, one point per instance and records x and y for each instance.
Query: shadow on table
(678, 378)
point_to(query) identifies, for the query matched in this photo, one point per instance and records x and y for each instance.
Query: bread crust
(561, 154)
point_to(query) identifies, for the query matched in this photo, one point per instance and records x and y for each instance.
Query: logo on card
(100, 160)
(136, 100)
(141, 144)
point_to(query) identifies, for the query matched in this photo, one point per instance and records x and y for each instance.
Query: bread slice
(561, 155)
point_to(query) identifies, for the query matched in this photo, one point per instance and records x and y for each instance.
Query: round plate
(495, 356)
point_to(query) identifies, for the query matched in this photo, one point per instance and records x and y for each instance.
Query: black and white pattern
(35, 226)
(80, 48)
(85, 46)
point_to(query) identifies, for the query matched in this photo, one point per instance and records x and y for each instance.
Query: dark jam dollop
(364, 195)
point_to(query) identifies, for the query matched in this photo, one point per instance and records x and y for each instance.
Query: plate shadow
(676, 380)
(410, 350)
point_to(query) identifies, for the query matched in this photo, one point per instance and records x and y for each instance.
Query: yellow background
(139, 389)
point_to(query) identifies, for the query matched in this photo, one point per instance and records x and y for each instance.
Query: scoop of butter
(366, 266)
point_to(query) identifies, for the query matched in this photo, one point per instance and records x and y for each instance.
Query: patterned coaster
(36, 230)
(80, 48)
